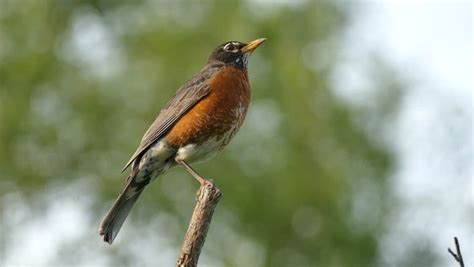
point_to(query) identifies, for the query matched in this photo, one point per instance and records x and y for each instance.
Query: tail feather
(116, 216)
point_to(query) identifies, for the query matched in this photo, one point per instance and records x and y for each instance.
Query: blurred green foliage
(80, 81)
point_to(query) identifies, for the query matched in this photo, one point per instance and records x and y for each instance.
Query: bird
(200, 120)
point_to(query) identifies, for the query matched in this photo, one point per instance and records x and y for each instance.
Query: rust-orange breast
(219, 115)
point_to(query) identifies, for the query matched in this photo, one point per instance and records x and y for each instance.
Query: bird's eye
(230, 48)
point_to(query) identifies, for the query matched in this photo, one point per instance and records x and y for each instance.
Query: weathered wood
(207, 198)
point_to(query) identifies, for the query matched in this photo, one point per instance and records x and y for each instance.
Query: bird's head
(235, 53)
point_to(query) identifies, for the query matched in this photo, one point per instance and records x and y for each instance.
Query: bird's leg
(196, 175)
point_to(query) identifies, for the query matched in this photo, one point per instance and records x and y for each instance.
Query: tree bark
(207, 198)
(457, 256)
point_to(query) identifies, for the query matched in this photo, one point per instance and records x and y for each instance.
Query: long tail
(116, 216)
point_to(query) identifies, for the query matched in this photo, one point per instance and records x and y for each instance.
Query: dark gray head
(235, 53)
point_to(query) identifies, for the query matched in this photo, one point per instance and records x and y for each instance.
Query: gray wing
(186, 97)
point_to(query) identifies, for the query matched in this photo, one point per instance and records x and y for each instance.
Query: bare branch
(207, 198)
(457, 256)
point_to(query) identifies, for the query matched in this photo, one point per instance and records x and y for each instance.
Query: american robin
(201, 119)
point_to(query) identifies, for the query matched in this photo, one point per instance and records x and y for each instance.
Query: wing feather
(186, 97)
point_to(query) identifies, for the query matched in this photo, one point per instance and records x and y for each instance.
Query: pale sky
(431, 44)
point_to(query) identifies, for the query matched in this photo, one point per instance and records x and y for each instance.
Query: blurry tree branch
(207, 198)
(457, 256)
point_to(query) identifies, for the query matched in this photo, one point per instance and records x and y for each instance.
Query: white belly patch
(154, 161)
(194, 153)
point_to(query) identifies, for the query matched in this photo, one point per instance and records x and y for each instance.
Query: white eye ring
(231, 47)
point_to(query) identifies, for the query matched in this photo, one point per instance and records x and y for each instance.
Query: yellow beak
(253, 45)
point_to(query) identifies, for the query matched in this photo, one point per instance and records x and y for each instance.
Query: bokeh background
(357, 149)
